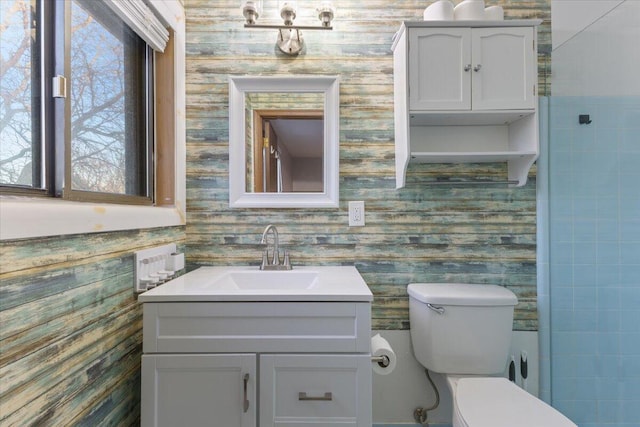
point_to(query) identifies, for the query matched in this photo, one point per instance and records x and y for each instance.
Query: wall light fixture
(290, 40)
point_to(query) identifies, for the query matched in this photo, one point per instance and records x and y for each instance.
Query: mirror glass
(283, 141)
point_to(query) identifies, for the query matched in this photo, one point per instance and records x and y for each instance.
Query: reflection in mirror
(285, 146)
(283, 141)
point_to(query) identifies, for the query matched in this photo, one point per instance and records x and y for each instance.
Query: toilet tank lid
(462, 294)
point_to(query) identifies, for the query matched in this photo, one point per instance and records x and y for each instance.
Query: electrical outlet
(356, 214)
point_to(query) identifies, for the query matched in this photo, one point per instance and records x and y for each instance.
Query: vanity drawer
(315, 390)
(257, 327)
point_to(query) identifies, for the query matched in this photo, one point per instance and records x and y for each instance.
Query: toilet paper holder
(381, 360)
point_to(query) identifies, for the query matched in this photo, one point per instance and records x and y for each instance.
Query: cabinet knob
(477, 68)
(467, 67)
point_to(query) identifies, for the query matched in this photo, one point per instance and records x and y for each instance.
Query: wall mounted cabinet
(465, 92)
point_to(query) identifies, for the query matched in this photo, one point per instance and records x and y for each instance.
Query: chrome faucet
(275, 261)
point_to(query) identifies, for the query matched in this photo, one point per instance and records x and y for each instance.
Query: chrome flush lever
(439, 310)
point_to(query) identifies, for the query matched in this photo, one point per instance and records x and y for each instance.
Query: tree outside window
(107, 147)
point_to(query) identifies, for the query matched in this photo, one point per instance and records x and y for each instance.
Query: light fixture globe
(251, 10)
(326, 12)
(288, 11)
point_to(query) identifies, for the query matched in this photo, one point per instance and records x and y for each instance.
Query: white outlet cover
(356, 214)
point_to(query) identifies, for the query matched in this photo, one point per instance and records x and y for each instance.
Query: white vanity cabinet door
(439, 69)
(199, 390)
(503, 68)
(315, 390)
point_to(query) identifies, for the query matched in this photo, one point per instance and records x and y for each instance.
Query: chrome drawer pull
(245, 403)
(303, 396)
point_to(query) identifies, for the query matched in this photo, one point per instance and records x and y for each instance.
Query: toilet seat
(497, 402)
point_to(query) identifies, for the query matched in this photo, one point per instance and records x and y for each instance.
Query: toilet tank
(461, 328)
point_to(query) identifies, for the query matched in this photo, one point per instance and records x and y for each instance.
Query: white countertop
(339, 283)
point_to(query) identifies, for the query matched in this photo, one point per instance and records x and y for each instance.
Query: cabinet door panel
(437, 61)
(503, 64)
(315, 390)
(198, 390)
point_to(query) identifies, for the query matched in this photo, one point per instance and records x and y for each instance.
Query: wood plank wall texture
(475, 234)
(71, 329)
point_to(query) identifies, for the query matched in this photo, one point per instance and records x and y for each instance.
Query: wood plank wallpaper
(71, 328)
(464, 233)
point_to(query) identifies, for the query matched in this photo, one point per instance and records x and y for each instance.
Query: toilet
(463, 331)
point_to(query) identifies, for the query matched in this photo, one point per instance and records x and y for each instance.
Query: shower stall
(589, 214)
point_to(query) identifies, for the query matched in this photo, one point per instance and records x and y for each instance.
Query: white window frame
(30, 217)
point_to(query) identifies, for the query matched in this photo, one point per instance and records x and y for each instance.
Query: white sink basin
(265, 280)
(251, 284)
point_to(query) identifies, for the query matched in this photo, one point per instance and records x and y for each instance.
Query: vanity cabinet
(465, 92)
(244, 364)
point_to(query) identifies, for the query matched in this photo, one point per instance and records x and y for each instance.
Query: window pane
(108, 69)
(19, 94)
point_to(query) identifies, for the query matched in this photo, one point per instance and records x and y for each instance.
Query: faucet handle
(265, 259)
(287, 261)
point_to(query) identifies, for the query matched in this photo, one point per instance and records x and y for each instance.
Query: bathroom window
(109, 75)
(97, 143)
(20, 94)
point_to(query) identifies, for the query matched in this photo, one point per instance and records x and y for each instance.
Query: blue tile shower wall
(594, 259)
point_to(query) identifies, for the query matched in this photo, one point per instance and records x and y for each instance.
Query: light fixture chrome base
(290, 41)
(288, 27)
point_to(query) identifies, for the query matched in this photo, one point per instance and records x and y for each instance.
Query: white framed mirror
(284, 141)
